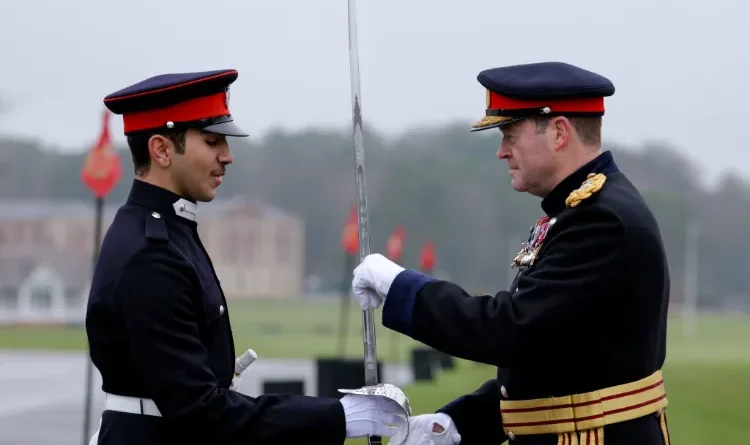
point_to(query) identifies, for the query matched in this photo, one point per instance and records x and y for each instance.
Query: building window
(19, 235)
(250, 246)
(78, 239)
(41, 298)
(229, 247)
(8, 299)
(283, 245)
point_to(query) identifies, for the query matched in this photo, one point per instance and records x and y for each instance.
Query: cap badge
(591, 185)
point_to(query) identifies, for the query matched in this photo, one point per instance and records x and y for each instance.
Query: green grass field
(707, 376)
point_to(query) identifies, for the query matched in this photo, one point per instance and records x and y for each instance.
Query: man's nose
(502, 153)
(226, 156)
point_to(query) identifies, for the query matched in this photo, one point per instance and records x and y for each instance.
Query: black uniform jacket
(590, 313)
(158, 328)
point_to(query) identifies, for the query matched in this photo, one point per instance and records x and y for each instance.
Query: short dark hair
(589, 128)
(138, 144)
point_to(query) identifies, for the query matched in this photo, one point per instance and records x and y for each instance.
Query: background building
(46, 250)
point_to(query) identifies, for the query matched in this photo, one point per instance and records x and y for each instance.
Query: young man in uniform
(157, 321)
(579, 338)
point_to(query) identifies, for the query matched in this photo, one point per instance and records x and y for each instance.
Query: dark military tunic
(590, 313)
(158, 328)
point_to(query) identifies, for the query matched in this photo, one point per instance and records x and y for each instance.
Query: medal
(530, 249)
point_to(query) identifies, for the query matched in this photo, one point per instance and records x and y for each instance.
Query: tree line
(441, 184)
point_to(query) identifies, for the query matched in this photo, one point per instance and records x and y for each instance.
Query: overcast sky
(681, 68)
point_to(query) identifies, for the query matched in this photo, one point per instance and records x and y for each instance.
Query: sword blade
(368, 316)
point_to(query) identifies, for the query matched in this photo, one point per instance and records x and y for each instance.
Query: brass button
(504, 392)
(156, 215)
(221, 310)
(511, 436)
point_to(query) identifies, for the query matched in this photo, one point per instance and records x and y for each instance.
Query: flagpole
(395, 250)
(98, 216)
(350, 243)
(690, 280)
(346, 286)
(100, 173)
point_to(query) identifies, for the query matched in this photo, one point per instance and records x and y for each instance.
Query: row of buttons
(156, 215)
(504, 393)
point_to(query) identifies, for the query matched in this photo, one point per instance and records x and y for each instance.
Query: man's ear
(161, 149)
(562, 132)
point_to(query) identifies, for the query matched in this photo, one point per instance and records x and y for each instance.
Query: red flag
(427, 259)
(350, 237)
(395, 245)
(101, 168)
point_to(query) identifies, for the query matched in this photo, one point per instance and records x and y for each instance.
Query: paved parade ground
(42, 398)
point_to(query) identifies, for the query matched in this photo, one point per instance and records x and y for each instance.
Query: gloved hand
(428, 429)
(371, 415)
(372, 280)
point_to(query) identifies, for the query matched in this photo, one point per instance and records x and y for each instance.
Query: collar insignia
(185, 209)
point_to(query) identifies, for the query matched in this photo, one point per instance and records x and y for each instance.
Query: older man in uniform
(157, 322)
(579, 339)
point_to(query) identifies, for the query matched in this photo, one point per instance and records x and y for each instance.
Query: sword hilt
(241, 364)
(243, 361)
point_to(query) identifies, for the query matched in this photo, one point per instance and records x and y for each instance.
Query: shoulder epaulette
(156, 228)
(591, 185)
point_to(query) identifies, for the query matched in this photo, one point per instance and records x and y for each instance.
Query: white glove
(372, 280)
(371, 415)
(421, 431)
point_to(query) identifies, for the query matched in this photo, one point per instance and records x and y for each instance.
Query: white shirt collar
(185, 209)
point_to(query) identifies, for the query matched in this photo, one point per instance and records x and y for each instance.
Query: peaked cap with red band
(177, 101)
(541, 89)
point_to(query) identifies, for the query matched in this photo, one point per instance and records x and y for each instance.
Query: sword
(363, 222)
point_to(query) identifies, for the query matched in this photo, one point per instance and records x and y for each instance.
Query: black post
(346, 286)
(98, 216)
(393, 347)
(393, 337)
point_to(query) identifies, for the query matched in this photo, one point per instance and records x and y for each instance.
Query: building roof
(11, 209)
